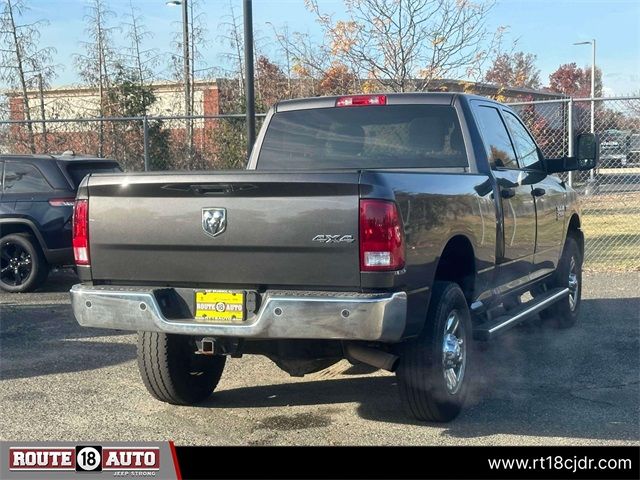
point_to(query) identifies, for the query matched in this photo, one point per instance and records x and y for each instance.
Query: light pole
(42, 114)
(248, 65)
(592, 42)
(186, 68)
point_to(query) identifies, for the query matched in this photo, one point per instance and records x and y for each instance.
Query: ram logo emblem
(214, 221)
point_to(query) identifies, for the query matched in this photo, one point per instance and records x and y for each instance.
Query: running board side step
(488, 330)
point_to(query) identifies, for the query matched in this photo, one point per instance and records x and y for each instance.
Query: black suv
(36, 208)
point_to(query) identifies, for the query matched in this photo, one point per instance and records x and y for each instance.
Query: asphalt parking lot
(536, 385)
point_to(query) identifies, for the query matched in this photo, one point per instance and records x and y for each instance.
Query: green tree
(129, 98)
(228, 137)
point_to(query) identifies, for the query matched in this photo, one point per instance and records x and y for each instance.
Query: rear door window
(77, 171)
(392, 136)
(22, 177)
(525, 145)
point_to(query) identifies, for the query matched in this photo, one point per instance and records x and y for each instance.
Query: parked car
(634, 148)
(391, 230)
(36, 205)
(614, 148)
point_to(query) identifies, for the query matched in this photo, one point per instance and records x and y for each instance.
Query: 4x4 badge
(214, 221)
(333, 238)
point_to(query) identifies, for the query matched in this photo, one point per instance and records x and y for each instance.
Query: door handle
(507, 192)
(538, 192)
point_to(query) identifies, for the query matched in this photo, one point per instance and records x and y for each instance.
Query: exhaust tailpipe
(373, 357)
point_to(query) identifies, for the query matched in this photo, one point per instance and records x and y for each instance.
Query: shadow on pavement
(54, 290)
(535, 380)
(59, 281)
(40, 340)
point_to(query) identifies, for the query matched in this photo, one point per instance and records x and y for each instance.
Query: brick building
(84, 102)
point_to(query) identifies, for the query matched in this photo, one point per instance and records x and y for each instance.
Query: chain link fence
(137, 143)
(610, 194)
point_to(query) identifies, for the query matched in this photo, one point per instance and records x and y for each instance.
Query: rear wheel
(432, 374)
(23, 267)
(568, 275)
(173, 372)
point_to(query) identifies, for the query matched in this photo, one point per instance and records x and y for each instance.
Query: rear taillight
(381, 236)
(62, 202)
(361, 100)
(81, 232)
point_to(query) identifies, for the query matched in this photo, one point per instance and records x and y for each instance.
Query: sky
(546, 28)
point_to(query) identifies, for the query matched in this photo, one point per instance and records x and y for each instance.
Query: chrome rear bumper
(282, 314)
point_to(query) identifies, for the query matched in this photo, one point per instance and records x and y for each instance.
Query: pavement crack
(591, 400)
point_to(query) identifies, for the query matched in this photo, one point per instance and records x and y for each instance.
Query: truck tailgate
(148, 229)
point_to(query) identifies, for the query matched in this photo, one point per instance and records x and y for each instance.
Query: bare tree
(282, 38)
(23, 61)
(142, 60)
(198, 41)
(307, 60)
(96, 63)
(233, 38)
(394, 42)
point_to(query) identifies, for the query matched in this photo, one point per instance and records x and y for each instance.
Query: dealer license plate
(219, 306)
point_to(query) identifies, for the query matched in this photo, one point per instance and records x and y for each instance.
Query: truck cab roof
(431, 98)
(65, 157)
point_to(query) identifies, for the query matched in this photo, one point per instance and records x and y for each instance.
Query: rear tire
(23, 267)
(433, 370)
(568, 275)
(171, 370)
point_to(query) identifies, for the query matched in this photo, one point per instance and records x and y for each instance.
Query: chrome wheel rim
(454, 351)
(573, 284)
(15, 264)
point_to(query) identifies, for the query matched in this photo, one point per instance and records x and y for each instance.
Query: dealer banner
(51, 461)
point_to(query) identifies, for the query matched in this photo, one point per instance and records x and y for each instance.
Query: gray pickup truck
(390, 230)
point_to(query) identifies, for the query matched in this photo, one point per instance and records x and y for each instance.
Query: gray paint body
(145, 229)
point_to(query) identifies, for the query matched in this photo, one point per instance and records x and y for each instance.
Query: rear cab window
(391, 136)
(77, 170)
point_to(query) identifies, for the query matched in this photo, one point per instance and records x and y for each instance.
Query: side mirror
(587, 151)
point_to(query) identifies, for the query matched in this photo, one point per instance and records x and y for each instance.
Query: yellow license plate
(219, 306)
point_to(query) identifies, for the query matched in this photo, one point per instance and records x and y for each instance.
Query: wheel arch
(574, 229)
(16, 225)
(457, 263)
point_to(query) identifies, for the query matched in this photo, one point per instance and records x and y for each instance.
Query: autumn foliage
(514, 70)
(573, 81)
